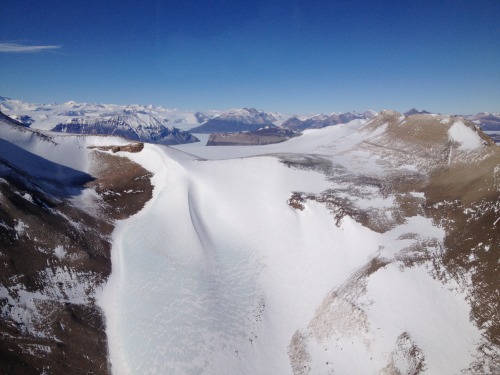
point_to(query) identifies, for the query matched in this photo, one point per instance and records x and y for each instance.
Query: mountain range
(171, 126)
(246, 119)
(132, 126)
(369, 247)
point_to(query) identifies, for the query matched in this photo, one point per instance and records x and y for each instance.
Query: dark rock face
(461, 194)
(55, 254)
(263, 136)
(133, 148)
(133, 127)
(14, 121)
(415, 111)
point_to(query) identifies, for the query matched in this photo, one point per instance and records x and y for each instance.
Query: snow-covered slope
(369, 247)
(335, 255)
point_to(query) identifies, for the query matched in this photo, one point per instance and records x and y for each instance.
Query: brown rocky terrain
(55, 256)
(264, 136)
(458, 188)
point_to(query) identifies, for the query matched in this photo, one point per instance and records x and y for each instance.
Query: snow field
(311, 141)
(435, 315)
(217, 274)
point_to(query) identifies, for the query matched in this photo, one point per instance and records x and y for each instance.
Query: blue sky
(291, 56)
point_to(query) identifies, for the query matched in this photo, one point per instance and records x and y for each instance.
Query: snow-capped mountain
(133, 126)
(320, 121)
(245, 119)
(367, 247)
(136, 121)
(487, 121)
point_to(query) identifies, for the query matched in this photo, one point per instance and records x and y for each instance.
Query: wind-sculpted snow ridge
(369, 247)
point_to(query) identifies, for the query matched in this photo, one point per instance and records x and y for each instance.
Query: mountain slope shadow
(55, 241)
(23, 167)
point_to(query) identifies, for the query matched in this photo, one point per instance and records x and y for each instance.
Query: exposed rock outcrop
(262, 136)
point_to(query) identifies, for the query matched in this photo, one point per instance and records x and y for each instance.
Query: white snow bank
(468, 138)
(436, 318)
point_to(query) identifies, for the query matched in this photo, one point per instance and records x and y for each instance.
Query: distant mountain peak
(236, 120)
(415, 111)
(321, 120)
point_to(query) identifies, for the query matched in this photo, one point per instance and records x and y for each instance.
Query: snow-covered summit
(420, 142)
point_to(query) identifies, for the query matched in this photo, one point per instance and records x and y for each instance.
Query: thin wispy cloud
(22, 48)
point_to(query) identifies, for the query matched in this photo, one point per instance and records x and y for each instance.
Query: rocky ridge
(262, 136)
(439, 167)
(56, 241)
